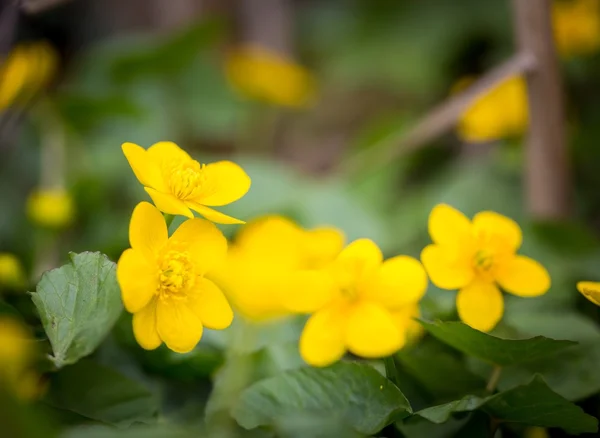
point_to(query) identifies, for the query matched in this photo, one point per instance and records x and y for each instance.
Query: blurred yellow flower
(269, 256)
(52, 208)
(28, 68)
(260, 74)
(500, 112)
(16, 359)
(476, 257)
(590, 290)
(12, 274)
(536, 432)
(360, 303)
(163, 281)
(576, 26)
(177, 183)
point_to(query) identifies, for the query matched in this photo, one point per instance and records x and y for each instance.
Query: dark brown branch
(442, 118)
(547, 180)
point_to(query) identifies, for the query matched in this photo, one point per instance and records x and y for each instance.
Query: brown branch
(267, 23)
(38, 6)
(442, 118)
(547, 180)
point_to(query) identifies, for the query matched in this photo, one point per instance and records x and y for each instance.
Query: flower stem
(494, 378)
(391, 372)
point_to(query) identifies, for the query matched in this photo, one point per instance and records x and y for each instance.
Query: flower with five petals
(362, 304)
(178, 184)
(476, 257)
(163, 280)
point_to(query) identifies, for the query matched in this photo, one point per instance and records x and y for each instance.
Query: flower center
(188, 179)
(483, 260)
(176, 274)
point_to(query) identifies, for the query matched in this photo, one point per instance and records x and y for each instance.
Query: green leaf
(430, 364)
(103, 394)
(492, 349)
(353, 393)
(78, 304)
(165, 431)
(534, 404)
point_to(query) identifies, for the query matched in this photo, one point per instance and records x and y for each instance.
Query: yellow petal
(321, 245)
(228, 183)
(590, 290)
(480, 305)
(210, 306)
(165, 152)
(502, 228)
(447, 268)
(203, 240)
(144, 167)
(213, 215)
(405, 320)
(400, 281)
(523, 277)
(448, 226)
(144, 327)
(371, 331)
(178, 326)
(147, 230)
(322, 340)
(168, 203)
(357, 263)
(137, 279)
(14, 73)
(307, 291)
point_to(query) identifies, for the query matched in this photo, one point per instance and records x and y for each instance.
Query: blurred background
(307, 95)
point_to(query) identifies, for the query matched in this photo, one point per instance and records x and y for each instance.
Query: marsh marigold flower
(498, 113)
(360, 304)
(476, 257)
(260, 74)
(576, 26)
(163, 280)
(16, 358)
(52, 208)
(271, 259)
(590, 290)
(177, 183)
(12, 275)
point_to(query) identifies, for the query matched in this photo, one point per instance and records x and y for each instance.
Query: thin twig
(37, 6)
(494, 378)
(443, 117)
(547, 179)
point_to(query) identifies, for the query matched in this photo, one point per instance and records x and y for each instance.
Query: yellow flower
(590, 290)
(163, 280)
(177, 183)
(16, 359)
(53, 208)
(268, 256)
(360, 303)
(11, 271)
(263, 75)
(27, 69)
(576, 26)
(476, 257)
(498, 113)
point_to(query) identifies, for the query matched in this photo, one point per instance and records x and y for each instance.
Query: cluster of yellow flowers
(357, 301)
(502, 111)
(17, 355)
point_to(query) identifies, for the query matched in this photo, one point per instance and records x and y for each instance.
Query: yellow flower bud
(11, 272)
(52, 208)
(576, 26)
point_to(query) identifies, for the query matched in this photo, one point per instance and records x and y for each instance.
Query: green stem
(391, 372)
(494, 378)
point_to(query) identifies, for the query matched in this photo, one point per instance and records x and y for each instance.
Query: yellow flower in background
(260, 74)
(52, 208)
(163, 281)
(360, 304)
(28, 68)
(177, 183)
(16, 358)
(576, 25)
(590, 290)
(476, 257)
(12, 275)
(269, 256)
(498, 113)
